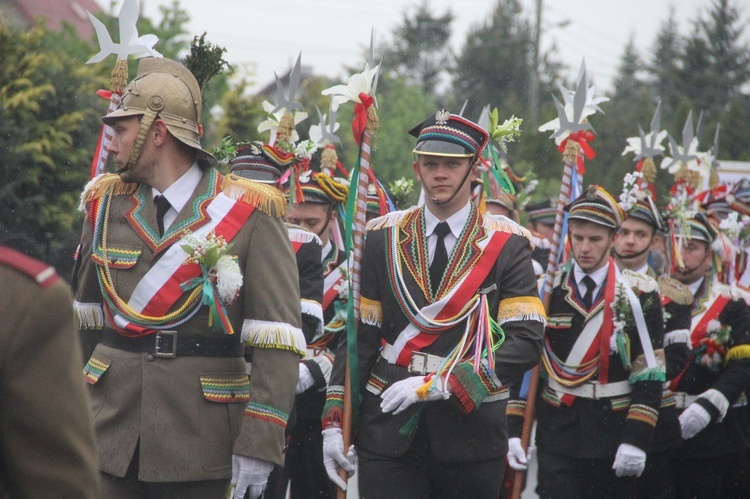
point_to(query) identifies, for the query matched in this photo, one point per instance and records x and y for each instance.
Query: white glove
(693, 420)
(333, 456)
(305, 380)
(517, 458)
(629, 461)
(402, 394)
(249, 474)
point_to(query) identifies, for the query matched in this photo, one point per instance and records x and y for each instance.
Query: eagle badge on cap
(442, 117)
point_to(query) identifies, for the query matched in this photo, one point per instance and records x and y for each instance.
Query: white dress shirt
(599, 275)
(179, 193)
(456, 223)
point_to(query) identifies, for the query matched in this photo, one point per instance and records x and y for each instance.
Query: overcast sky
(268, 35)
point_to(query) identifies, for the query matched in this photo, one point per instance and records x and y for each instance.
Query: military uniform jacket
(307, 252)
(321, 353)
(471, 424)
(190, 413)
(46, 438)
(594, 428)
(718, 370)
(676, 300)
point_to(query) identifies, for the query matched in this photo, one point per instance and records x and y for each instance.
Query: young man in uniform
(434, 279)
(174, 412)
(709, 388)
(322, 195)
(630, 249)
(541, 217)
(599, 404)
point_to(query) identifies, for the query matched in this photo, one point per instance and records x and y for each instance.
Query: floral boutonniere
(711, 351)
(619, 342)
(220, 278)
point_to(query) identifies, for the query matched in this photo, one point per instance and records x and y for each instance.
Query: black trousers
(566, 477)
(708, 478)
(418, 474)
(657, 480)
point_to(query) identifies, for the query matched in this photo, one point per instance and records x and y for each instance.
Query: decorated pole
(361, 90)
(572, 133)
(130, 44)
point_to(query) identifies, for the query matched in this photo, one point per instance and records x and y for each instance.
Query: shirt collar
(599, 275)
(695, 286)
(180, 191)
(325, 251)
(456, 221)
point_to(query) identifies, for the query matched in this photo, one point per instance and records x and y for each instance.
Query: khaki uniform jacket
(191, 413)
(46, 438)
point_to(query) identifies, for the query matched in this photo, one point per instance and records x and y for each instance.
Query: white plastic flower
(305, 149)
(713, 326)
(731, 226)
(271, 125)
(634, 143)
(316, 133)
(228, 278)
(358, 83)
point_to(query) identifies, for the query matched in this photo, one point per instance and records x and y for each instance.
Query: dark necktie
(590, 286)
(162, 207)
(440, 259)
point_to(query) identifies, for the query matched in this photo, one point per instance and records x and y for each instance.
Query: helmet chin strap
(463, 181)
(146, 121)
(630, 257)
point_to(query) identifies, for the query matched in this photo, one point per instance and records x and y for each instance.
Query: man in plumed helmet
(432, 411)
(603, 363)
(180, 269)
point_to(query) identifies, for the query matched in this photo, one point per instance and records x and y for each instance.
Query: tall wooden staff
(572, 133)
(360, 90)
(130, 44)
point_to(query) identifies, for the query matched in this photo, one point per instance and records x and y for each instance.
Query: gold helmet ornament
(166, 89)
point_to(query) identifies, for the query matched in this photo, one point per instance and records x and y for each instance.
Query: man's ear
(417, 173)
(159, 129)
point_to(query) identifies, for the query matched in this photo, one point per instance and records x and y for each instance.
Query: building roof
(57, 12)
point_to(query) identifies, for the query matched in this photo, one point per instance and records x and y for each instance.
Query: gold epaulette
(267, 199)
(504, 224)
(675, 290)
(100, 184)
(641, 282)
(390, 219)
(299, 234)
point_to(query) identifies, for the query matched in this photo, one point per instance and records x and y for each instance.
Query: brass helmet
(167, 89)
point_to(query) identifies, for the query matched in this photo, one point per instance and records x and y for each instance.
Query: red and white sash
(160, 289)
(716, 303)
(331, 282)
(411, 338)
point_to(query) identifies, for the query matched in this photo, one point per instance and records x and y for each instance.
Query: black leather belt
(170, 344)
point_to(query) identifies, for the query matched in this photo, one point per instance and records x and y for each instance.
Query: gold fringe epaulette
(675, 290)
(504, 224)
(299, 234)
(740, 352)
(390, 219)
(267, 199)
(100, 184)
(641, 282)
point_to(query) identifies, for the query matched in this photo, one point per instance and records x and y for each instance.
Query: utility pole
(534, 80)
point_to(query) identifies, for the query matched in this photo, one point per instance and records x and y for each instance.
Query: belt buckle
(418, 363)
(170, 352)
